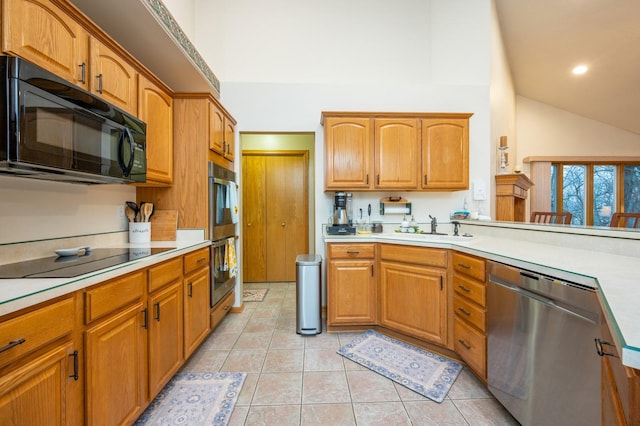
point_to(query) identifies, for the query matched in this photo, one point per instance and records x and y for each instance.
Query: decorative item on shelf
(504, 156)
(394, 205)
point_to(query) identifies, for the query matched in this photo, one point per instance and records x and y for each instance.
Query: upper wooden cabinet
(348, 152)
(396, 151)
(221, 132)
(397, 158)
(155, 107)
(40, 32)
(112, 78)
(445, 153)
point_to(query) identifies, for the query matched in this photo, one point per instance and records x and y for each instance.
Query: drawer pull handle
(75, 376)
(12, 344)
(463, 343)
(464, 311)
(202, 259)
(465, 289)
(145, 318)
(157, 309)
(353, 251)
(83, 73)
(601, 351)
(464, 265)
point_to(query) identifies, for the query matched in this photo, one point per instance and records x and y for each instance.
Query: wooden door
(396, 153)
(275, 214)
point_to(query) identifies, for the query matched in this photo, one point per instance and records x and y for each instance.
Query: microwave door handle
(126, 168)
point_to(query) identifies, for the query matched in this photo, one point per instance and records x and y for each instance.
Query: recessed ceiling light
(580, 69)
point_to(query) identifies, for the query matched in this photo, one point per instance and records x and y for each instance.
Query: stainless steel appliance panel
(222, 280)
(220, 221)
(541, 362)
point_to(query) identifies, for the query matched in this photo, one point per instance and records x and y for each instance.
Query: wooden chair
(625, 220)
(560, 218)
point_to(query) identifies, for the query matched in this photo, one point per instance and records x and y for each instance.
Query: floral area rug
(195, 399)
(254, 294)
(421, 371)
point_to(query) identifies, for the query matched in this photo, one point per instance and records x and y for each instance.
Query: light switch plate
(479, 190)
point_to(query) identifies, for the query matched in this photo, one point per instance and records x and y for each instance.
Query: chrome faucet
(434, 224)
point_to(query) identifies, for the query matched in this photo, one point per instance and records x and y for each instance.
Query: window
(593, 191)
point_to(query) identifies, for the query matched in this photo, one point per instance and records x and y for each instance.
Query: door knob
(282, 224)
(249, 224)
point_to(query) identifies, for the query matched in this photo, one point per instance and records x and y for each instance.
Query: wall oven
(223, 217)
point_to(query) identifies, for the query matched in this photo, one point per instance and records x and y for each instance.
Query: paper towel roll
(396, 210)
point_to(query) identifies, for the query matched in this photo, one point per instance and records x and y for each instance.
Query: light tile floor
(301, 380)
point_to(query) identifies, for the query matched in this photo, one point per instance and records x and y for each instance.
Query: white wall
(503, 103)
(33, 210)
(282, 63)
(183, 11)
(547, 131)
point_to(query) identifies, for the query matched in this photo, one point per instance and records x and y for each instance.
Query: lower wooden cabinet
(39, 366)
(45, 382)
(196, 310)
(413, 291)
(351, 285)
(116, 368)
(620, 385)
(165, 335)
(222, 308)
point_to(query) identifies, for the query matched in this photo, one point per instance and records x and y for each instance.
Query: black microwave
(55, 130)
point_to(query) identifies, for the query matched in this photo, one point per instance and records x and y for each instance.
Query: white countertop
(16, 294)
(617, 277)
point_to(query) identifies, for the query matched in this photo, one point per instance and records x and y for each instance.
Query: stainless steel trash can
(308, 299)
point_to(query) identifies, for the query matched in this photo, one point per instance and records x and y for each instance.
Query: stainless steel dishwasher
(541, 362)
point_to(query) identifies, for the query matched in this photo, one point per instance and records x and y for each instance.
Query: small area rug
(254, 294)
(195, 399)
(424, 372)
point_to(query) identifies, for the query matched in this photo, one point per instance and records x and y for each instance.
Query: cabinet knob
(249, 224)
(283, 224)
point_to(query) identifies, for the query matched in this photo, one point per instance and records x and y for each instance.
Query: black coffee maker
(341, 218)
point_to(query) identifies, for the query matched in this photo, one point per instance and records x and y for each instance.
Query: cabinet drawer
(165, 273)
(195, 260)
(106, 298)
(469, 265)
(470, 312)
(471, 345)
(418, 255)
(470, 289)
(35, 329)
(352, 251)
(222, 308)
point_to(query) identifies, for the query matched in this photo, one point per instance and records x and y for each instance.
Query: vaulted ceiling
(546, 39)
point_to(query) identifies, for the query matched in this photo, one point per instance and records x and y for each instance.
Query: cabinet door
(43, 34)
(254, 218)
(351, 292)
(445, 154)
(216, 129)
(397, 158)
(165, 335)
(156, 109)
(229, 139)
(112, 78)
(348, 153)
(196, 310)
(413, 300)
(115, 365)
(39, 392)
